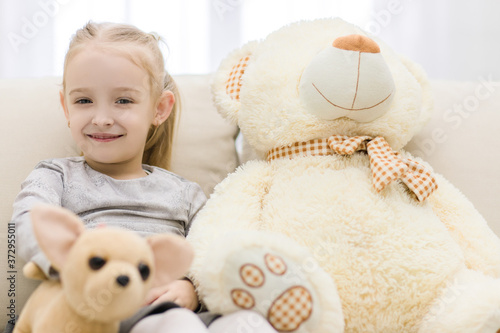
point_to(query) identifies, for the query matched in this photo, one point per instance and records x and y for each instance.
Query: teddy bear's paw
(274, 286)
(273, 275)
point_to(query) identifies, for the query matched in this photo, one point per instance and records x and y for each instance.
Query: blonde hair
(147, 55)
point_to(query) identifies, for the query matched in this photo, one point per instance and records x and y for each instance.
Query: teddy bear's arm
(236, 204)
(481, 247)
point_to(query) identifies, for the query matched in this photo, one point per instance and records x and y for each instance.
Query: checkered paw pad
(275, 264)
(252, 275)
(242, 298)
(260, 282)
(290, 309)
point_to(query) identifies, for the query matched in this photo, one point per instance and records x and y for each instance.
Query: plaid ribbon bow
(386, 165)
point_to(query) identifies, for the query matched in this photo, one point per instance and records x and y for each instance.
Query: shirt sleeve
(196, 199)
(44, 185)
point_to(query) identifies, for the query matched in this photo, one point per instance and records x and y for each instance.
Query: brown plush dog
(105, 273)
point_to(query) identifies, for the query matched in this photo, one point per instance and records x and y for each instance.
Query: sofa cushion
(461, 142)
(204, 145)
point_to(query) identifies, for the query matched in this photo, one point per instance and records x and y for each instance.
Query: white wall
(26, 39)
(451, 39)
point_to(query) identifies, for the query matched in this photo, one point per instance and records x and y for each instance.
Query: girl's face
(108, 104)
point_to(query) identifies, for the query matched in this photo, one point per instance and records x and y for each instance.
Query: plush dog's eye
(144, 271)
(96, 263)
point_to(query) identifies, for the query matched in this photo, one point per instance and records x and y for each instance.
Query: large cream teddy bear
(338, 228)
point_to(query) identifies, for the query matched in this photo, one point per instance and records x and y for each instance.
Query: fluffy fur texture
(392, 259)
(106, 273)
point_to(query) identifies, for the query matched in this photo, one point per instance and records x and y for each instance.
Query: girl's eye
(83, 101)
(124, 101)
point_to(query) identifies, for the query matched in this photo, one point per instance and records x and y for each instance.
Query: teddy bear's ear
(427, 98)
(173, 256)
(229, 80)
(56, 230)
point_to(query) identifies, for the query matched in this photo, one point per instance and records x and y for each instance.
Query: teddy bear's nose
(122, 280)
(356, 43)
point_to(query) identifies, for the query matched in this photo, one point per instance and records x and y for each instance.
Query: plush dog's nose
(356, 43)
(123, 280)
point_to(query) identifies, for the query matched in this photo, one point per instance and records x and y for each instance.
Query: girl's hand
(180, 292)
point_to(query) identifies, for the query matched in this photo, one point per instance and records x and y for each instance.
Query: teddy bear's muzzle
(349, 78)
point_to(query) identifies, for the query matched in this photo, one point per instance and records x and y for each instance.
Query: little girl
(121, 105)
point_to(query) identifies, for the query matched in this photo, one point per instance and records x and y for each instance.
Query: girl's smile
(104, 137)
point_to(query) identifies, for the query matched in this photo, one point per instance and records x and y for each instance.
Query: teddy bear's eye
(96, 263)
(144, 271)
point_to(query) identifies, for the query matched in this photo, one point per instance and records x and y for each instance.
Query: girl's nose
(102, 118)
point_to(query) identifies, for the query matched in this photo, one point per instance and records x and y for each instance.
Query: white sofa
(460, 142)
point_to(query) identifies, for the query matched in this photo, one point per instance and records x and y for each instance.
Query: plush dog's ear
(173, 256)
(229, 79)
(56, 230)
